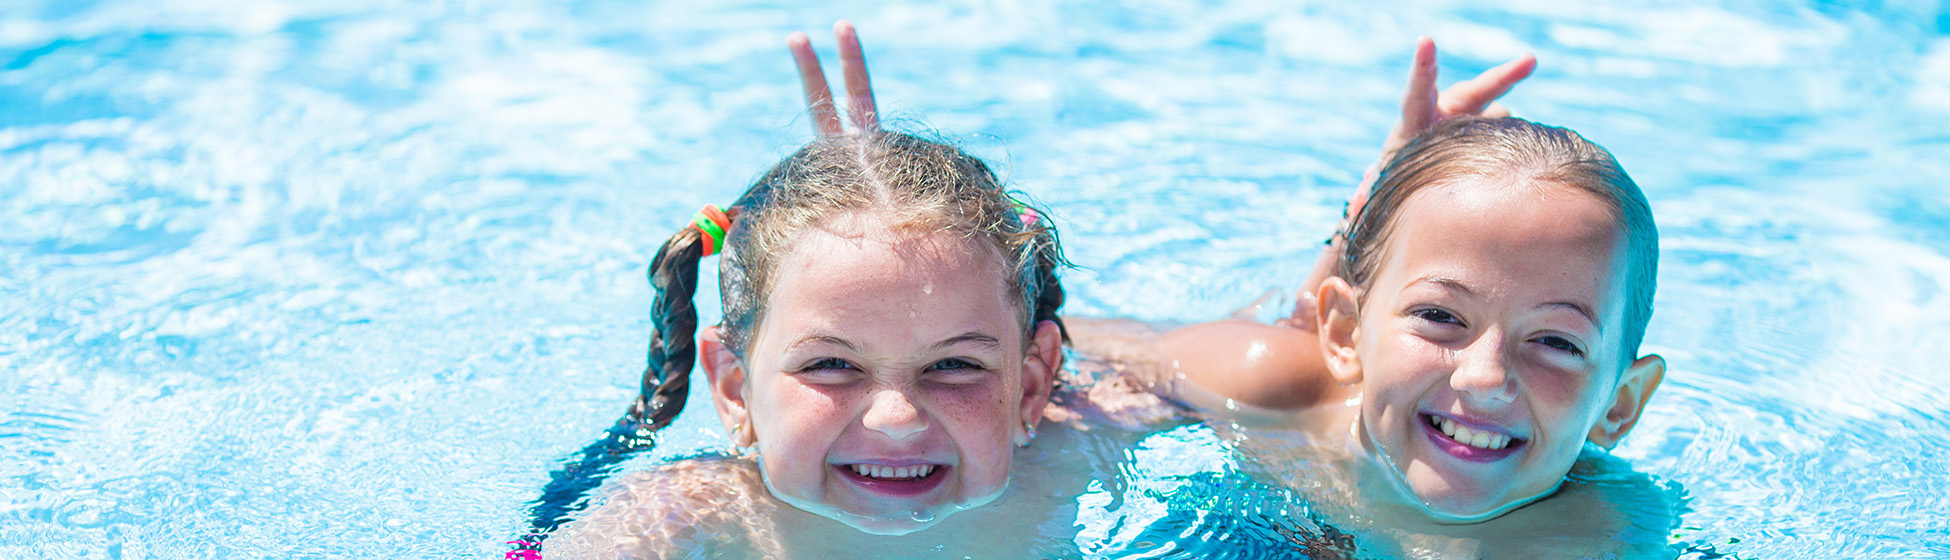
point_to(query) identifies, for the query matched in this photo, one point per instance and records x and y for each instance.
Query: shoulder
(703, 502)
(1268, 366)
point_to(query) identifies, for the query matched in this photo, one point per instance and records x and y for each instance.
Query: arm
(1280, 365)
(673, 509)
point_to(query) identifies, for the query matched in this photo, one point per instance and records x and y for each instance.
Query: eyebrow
(1581, 309)
(1455, 285)
(970, 337)
(822, 338)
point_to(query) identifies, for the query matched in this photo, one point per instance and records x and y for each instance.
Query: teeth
(883, 471)
(1481, 439)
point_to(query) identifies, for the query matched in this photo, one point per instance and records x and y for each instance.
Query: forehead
(1525, 240)
(852, 269)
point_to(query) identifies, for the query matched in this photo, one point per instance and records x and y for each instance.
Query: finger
(1418, 102)
(859, 89)
(1471, 96)
(1496, 111)
(819, 98)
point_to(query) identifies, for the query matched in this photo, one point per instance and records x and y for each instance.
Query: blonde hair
(1514, 148)
(920, 183)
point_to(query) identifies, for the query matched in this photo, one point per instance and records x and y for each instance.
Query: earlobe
(727, 376)
(1642, 378)
(1337, 315)
(1039, 369)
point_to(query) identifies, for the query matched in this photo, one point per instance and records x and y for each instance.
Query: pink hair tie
(524, 550)
(1025, 213)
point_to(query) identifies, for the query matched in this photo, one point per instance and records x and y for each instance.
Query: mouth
(895, 480)
(1474, 444)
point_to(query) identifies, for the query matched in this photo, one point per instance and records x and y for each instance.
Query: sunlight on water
(282, 279)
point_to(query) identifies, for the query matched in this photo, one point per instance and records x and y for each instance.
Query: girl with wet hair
(890, 343)
(1467, 350)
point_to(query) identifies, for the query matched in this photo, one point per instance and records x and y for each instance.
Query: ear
(1641, 379)
(728, 390)
(1337, 315)
(1039, 367)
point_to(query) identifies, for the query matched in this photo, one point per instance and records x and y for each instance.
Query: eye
(828, 371)
(952, 364)
(1560, 344)
(1435, 315)
(957, 371)
(826, 365)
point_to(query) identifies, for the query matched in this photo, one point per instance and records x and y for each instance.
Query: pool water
(288, 280)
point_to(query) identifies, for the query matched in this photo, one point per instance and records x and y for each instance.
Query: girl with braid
(890, 340)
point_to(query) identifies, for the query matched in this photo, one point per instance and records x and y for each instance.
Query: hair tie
(711, 224)
(1025, 213)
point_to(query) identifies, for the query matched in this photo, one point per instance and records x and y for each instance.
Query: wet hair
(1518, 149)
(908, 183)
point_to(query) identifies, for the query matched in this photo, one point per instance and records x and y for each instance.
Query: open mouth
(895, 480)
(1469, 444)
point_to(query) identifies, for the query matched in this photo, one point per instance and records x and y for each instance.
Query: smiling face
(1488, 346)
(889, 378)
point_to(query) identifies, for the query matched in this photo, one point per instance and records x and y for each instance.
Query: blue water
(280, 279)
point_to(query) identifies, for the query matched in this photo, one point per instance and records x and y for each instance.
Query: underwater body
(293, 280)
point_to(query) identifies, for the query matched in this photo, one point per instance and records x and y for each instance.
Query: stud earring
(1028, 428)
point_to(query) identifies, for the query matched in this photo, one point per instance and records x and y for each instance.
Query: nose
(893, 414)
(1483, 372)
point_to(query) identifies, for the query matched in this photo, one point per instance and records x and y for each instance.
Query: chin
(1459, 508)
(888, 527)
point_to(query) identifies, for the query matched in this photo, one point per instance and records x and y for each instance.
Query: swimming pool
(284, 280)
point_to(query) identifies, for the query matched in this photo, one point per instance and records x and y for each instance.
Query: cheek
(1568, 395)
(793, 414)
(1401, 367)
(975, 408)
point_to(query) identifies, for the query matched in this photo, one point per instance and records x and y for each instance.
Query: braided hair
(921, 182)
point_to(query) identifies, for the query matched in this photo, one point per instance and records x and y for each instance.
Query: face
(1488, 347)
(889, 379)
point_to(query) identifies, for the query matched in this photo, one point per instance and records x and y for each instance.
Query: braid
(666, 383)
(673, 345)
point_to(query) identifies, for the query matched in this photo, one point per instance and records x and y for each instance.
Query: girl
(1469, 342)
(890, 340)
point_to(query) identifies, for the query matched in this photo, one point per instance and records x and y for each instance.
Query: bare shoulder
(1268, 366)
(686, 505)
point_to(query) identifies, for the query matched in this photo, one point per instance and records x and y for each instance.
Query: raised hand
(1422, 109)
(819, 97)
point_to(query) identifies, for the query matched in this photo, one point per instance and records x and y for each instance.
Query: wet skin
(1488, 349)
(890, 377)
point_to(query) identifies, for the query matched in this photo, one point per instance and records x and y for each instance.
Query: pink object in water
(524, 551)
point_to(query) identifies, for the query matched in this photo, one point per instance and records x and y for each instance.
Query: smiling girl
(1467, 349)
(889, 343)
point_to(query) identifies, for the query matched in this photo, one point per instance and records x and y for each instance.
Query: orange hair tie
(711, 225)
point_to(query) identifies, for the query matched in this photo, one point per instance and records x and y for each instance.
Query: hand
(819, 98)
(1422, 110)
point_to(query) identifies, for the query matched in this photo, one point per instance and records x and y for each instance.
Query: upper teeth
(883, 471)
(1482, 439)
